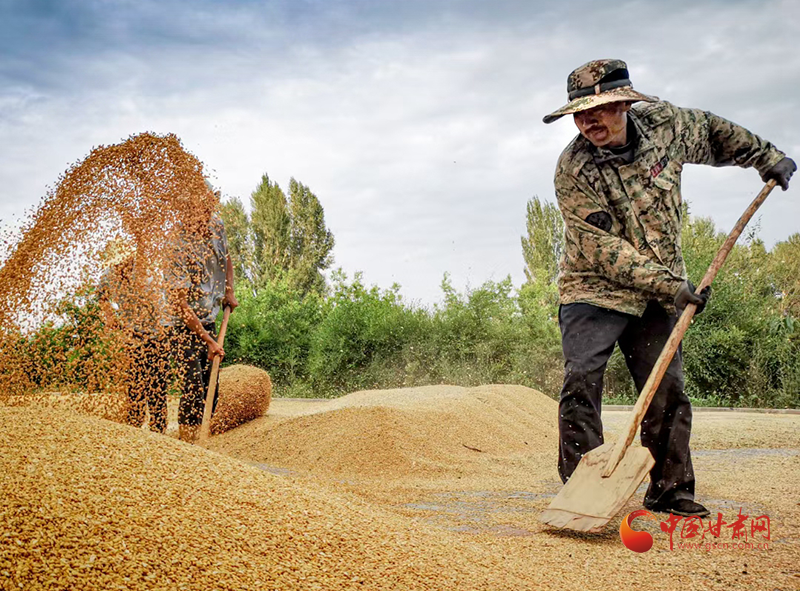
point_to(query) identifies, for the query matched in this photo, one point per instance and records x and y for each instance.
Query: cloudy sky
(417, 123)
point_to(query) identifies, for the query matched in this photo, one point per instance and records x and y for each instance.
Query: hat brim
(584, 103)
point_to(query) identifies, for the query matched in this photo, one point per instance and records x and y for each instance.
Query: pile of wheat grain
(89, 504)
(394, 434)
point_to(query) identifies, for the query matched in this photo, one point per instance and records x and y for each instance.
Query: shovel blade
(587, 502)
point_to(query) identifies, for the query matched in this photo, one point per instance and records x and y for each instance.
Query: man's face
(605, 125)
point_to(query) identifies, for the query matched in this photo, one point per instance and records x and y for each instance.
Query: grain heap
(112, 406)
(428, 431)
(89, 504)
(111, 226)
(244, 394)
(405, 450)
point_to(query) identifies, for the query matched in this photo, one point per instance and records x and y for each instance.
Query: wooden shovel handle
(660, 368)
(205, 427)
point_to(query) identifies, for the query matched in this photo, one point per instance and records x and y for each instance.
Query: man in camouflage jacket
(622, 277)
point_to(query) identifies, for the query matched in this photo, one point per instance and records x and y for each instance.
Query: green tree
(283, 239)
(543, 245)
(311, 242)
(538, 297)
(240, 243)
(271, 227)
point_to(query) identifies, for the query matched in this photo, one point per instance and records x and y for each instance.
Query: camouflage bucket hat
(598, 83)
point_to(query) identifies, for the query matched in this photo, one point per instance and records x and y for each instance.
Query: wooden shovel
(205, 426)
(607, 476)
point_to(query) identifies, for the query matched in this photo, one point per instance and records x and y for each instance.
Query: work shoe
(683, 507)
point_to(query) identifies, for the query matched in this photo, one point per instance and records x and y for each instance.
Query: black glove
(781, 172)
(686, 295)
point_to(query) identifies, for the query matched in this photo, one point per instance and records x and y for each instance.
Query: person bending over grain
(200, 275)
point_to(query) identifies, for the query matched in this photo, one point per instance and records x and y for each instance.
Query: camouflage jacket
(629, 251)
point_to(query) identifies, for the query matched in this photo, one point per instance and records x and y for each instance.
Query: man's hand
(215, 350)
(686, 296)
(781, 172)
(230, 299)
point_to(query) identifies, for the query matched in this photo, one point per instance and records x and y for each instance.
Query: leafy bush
(739, 351)
(73, 352)
(359, 327)
(273, 329)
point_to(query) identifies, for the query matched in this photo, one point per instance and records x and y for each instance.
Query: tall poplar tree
(311, 242)
(543, 245)
(271, 227)
(240, 243)
(281, 239)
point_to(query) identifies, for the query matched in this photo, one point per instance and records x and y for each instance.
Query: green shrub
(742, 350)
(359, 327)
(273, 329)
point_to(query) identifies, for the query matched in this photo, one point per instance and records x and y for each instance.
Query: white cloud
(420, 130)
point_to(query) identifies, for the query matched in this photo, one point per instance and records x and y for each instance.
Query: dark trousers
(589, 334)
(196, 375)
(149, 376)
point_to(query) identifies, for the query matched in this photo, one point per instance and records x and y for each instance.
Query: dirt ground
(425, 488)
